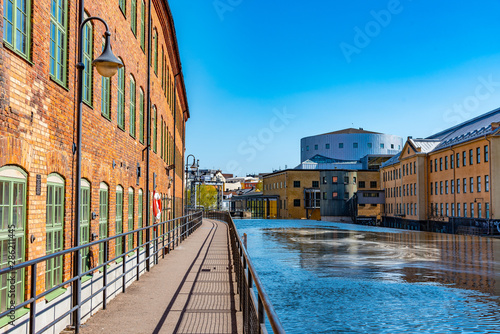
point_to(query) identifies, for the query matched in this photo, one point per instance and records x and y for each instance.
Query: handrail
(182, 227)
(251, 277)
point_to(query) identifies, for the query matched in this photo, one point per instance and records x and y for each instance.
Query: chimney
(495, 126)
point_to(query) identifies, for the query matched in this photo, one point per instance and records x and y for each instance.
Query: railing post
(163, 240)
(124, 265)
(105, 276)
(33, 304)
(261, 314)
(138, 269)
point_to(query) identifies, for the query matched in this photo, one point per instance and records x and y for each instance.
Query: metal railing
(174, 232)
(253, 303)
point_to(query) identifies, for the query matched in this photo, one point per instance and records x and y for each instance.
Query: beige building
(447, 180)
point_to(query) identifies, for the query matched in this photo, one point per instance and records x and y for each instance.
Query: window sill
(86, 278)
(54, 294)
(19, 313)
(22, 55)
(120, 260)
(133, 136)
(59, 83)
(121, 128)
(106, 117)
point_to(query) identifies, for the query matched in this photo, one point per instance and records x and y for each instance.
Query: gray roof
(392, 161)
(349, 131)
(469, 130)
(426, 145)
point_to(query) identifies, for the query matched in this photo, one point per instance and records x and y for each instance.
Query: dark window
(346, 195)
(486, 153)
(315, 184)
(446, 162)
(296, 202)
(478, 155)
(324, 180)
(440, 164)
(452, 162)
(471, 157)
(354, 145)
(335, 179)
(316, 147)
(324, 195)
(327, 146)
(296, 184)
(341, 145)
(361, 184)
(346, 179)
(373, 184)
(458, 160)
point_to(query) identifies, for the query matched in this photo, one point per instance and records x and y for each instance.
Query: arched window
(154, 122)
(85, 223)
(54, 223)
(12, 228)
(88, 54)
(119, 220)
(155, 59)
(120, 98)
(141, 116)
(139, 215)
(105, 94)
(103, 217)
(162, 136)
(132, 106)
(130, 237)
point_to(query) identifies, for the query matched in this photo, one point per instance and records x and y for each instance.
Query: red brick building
(38, 128)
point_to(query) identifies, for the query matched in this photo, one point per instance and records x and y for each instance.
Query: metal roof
(426, 145)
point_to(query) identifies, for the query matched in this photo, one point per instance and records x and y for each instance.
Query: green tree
(206, 196)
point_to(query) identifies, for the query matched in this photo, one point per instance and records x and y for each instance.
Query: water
(342, 278)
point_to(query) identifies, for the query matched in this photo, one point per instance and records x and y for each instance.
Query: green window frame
(132, 115)
(162, 136)
(155, 59)
(133, 16)
(119, 220)
(130, 237)
(141, 116)
(162, 69)
(54, 224)
(13, 214)
(58, 41)
(154, 121)
(103, 218)
(139, 216)
(85, 223)
(88, 48)
(105, 95)
(123, 6)
(143, 26)
(17, 26)
(120, 99)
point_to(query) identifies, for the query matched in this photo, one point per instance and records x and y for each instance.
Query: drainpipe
(175, 136)
(148, 134)
(454, 190)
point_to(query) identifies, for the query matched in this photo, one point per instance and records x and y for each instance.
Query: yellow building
(446, 181)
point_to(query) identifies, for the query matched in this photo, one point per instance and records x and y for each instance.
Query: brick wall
(37, 119)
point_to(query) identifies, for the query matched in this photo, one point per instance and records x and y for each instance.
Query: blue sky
(261, 75)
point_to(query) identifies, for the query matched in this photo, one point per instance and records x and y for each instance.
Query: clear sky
(261, 75)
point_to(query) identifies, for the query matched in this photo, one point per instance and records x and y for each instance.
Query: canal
(333, 277)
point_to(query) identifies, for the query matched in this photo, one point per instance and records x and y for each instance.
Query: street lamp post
(194, 168)
(107, 64)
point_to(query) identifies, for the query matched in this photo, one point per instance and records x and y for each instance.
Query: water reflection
(348, 278)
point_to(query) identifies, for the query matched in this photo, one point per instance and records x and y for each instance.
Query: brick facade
(37, 120)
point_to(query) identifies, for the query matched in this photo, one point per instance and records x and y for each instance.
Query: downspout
(175, 138)
(455, 188)
(148, 134)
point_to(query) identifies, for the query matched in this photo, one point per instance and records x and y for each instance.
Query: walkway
(191, 291)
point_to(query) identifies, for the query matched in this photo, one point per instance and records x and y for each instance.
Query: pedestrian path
(192, 290)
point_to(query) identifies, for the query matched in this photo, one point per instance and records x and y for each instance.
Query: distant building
(447, 180)
(326, 194)
(348, 149)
